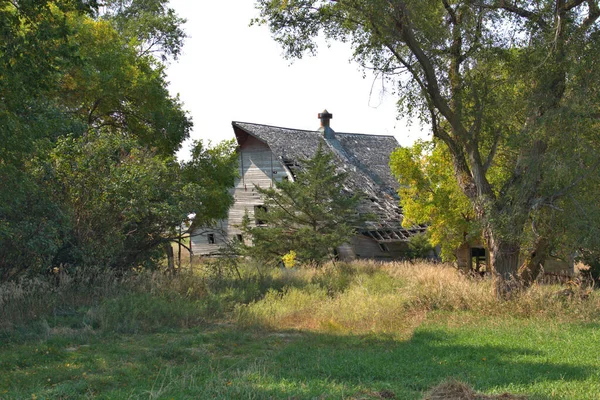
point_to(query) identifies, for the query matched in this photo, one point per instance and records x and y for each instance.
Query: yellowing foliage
(289, 260)
(430, 195)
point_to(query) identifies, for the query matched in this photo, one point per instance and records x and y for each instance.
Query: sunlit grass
(355, 331)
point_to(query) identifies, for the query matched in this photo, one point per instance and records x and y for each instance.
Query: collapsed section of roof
(365, 158)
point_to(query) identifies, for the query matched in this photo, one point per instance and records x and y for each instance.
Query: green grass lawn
(540, 359)
(345, 332)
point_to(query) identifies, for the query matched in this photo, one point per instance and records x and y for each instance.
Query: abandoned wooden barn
(268, 154)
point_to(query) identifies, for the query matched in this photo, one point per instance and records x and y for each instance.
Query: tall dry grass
(105, 299)
(360, 297)
(395, 297)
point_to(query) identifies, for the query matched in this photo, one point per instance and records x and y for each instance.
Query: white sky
(232, 72)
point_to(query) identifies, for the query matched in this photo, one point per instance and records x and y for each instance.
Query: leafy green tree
(311, 215)
(88, 135)
(116, 89)
(126, 201)
(34, 47)
(510, 84)
(152, 27)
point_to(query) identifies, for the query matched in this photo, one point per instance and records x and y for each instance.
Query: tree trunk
(532, 266)
(179, 252)
(504, 257)
(170, 258)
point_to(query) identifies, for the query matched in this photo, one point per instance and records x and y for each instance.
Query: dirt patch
(455, 390)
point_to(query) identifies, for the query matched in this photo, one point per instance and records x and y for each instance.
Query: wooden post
(179, 248)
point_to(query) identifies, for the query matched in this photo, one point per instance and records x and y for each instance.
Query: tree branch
(509, 6)
(451, 12)
(91, 112)
(549, 200)
(432, 86)
(594, 13)
(492, 154)
(573, 4)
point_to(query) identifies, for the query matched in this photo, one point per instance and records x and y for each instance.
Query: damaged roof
(364, 157)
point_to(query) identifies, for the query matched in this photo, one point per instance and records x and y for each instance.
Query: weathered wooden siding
(258, 166)
(398, 250)
(200, 242)
(346, 252)
(561, 267)
(463, 257)
(365, 247)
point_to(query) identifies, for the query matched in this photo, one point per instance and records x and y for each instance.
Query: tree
(153, 27)
(430, 195)
(125, 201)
(506, 83)
(33, 48)
(311, 215)
(89, 131)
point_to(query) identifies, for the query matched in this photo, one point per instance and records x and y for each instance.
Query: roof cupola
(325, 117)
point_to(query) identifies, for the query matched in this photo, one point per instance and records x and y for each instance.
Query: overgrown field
(356, 331)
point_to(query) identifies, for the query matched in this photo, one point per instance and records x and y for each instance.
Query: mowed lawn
(360, 332)
(540, 359)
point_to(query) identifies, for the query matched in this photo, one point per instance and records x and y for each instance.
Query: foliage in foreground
(430, 195)
(367, 297)
(157, 336)
(225, 362)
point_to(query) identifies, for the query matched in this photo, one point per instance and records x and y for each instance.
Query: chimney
(325, 117)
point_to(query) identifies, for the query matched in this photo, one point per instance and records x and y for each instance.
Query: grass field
(356, 332)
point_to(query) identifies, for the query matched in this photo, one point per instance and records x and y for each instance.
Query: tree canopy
(88, 135)
(509, 84)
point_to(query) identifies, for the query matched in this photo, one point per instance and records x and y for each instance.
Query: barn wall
(346, 252)
(463, 257)
(200, 242)
(398, 250)
(557, 266)
(365, 247)
(257, 166)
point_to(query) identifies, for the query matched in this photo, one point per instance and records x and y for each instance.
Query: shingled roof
(364, 157)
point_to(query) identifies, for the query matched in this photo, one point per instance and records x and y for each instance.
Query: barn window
(259, 210)
(477, 252)
(211, 238)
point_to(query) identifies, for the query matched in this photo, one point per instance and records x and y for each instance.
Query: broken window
(258, 211)
(239, 237)
(478, 255)
(211, 238)
(383, 247)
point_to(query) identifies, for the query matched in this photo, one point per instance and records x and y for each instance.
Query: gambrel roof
(364, 157)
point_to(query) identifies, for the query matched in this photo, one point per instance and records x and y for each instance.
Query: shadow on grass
(410, 368)
(223, 362)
